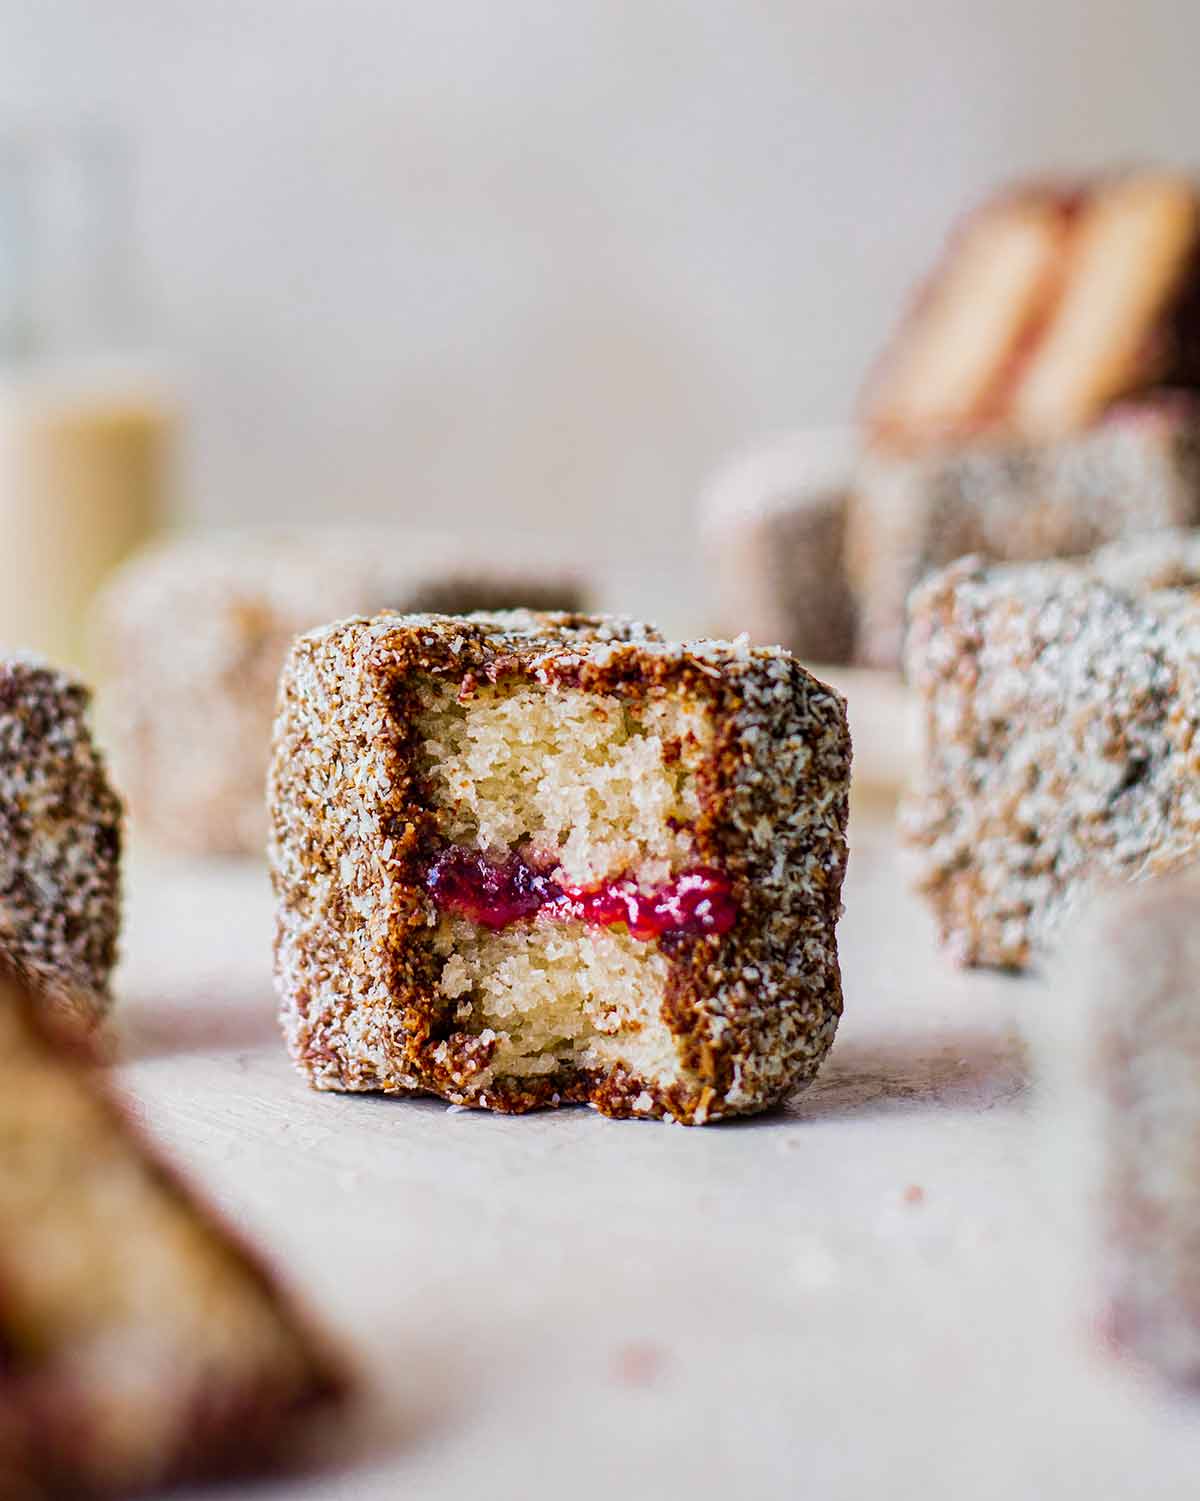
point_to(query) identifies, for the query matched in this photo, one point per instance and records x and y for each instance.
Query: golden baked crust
(60, 840)
(752, 1012)
(1050, 302)
(949, 370)
(140, 1343)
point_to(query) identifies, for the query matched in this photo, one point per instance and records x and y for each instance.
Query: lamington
(528, 860)
(192, 633)
(773, 525)
(1037, 403)
(140, 1343)
(60, 841)
(1059, 705)
(1117, 1060)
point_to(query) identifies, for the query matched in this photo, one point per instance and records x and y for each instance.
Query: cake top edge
(1162, 563)
(534, 636)
(30, 673)
(551, 646)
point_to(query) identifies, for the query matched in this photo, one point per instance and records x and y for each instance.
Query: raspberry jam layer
(495, 893)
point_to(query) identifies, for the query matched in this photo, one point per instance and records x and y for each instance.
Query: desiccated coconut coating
(1149, 564)
(193, 633)
(1060, 705)
(1118, 1059)
(369, 974)
(1135, 471)
(60, 840)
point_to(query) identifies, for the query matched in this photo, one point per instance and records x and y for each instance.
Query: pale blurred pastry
(140, 1343)
(1051, 302)
(60, 840)
(1116, 1050)
(192, 634)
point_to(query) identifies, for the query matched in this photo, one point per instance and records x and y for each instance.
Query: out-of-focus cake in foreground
(1060, 705)
(526, 860)
(193, 633)
(1034, 404)
(139, 1343)
(773, 525)
(1117, 1058)
(60, 841)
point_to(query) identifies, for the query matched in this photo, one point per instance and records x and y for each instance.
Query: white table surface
(564, 1305)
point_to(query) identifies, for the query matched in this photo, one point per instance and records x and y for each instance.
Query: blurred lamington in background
(1038, 401)
(773, 529)
(1060, 708)
(192, 634)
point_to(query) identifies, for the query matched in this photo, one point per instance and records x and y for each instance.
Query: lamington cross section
(526, 860)
(1060, 705)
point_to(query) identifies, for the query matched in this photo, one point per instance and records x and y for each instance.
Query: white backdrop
(543, 262)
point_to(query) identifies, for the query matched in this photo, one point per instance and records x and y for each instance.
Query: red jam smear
(495, 893)
(491, 893)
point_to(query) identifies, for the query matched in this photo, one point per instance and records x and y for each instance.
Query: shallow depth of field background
(545, 262)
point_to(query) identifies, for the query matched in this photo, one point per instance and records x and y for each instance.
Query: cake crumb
(639, 1363)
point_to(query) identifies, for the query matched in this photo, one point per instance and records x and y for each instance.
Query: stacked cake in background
(1050, 304)
(1040, 400)
(1035, 403)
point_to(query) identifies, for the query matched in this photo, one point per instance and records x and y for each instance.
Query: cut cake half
(526, 860)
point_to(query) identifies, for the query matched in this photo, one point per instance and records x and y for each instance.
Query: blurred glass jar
(85, 424)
